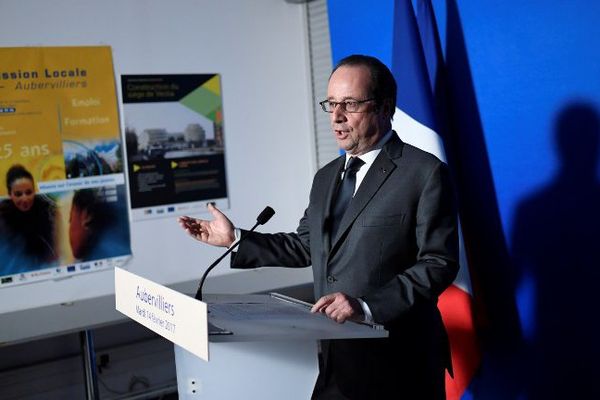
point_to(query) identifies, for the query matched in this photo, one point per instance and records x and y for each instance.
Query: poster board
(63, 207)
(175, 143)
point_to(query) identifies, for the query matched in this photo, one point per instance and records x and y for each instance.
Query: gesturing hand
(218, 232)
(339, 307)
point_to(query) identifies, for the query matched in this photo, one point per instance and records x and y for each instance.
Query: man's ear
(387, 108)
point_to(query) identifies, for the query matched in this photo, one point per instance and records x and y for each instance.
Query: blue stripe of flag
(415, 96)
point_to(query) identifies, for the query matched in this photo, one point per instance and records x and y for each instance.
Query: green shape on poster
(203, 101)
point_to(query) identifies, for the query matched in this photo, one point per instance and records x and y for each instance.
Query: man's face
(22, 194)
(79, 233)
(357, 132)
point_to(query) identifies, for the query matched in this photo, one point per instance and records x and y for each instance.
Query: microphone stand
(214, 264)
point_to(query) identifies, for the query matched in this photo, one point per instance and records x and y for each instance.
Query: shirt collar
(372, 154)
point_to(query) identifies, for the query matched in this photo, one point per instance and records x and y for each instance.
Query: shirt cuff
(238, 233)
(367, 311)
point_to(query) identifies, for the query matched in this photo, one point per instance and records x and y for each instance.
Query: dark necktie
(344, 194)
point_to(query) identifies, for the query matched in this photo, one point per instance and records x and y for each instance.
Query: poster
(175, 144)
(63, 203)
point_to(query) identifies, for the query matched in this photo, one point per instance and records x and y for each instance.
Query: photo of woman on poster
(27, 224)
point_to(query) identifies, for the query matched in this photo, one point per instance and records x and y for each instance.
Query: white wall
(260, 48)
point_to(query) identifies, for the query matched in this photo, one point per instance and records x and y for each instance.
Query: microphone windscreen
(265, 215)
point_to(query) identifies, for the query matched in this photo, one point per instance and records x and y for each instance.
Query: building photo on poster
(63, 200)
(174, 143)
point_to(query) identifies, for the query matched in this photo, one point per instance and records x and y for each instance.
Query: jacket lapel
(330, 181)
(378, 173)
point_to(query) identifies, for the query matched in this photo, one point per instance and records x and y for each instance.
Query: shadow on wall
(554, 243)
(549, 346)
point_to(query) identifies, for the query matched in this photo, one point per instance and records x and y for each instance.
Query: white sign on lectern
(173, 315)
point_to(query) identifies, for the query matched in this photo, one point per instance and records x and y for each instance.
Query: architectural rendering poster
(174, 141)
(63, 205)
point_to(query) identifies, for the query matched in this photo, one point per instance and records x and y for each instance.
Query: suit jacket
(396, 248)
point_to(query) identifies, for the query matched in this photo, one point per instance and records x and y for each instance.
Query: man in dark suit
(381, 236)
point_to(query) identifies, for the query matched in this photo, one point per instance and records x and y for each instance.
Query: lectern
(261, 347)
(257, 346)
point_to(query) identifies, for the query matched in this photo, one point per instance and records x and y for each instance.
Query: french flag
(416, 57)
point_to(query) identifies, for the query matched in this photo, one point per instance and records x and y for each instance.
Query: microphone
(262, 219)
(264, 216)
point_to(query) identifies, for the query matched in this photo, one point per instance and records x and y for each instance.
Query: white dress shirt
(368, 158)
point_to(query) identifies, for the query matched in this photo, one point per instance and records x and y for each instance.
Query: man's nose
(338, 114)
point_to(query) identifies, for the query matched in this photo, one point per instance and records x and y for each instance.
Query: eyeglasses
(351, 106)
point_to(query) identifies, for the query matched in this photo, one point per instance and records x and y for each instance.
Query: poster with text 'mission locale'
(63, 203)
